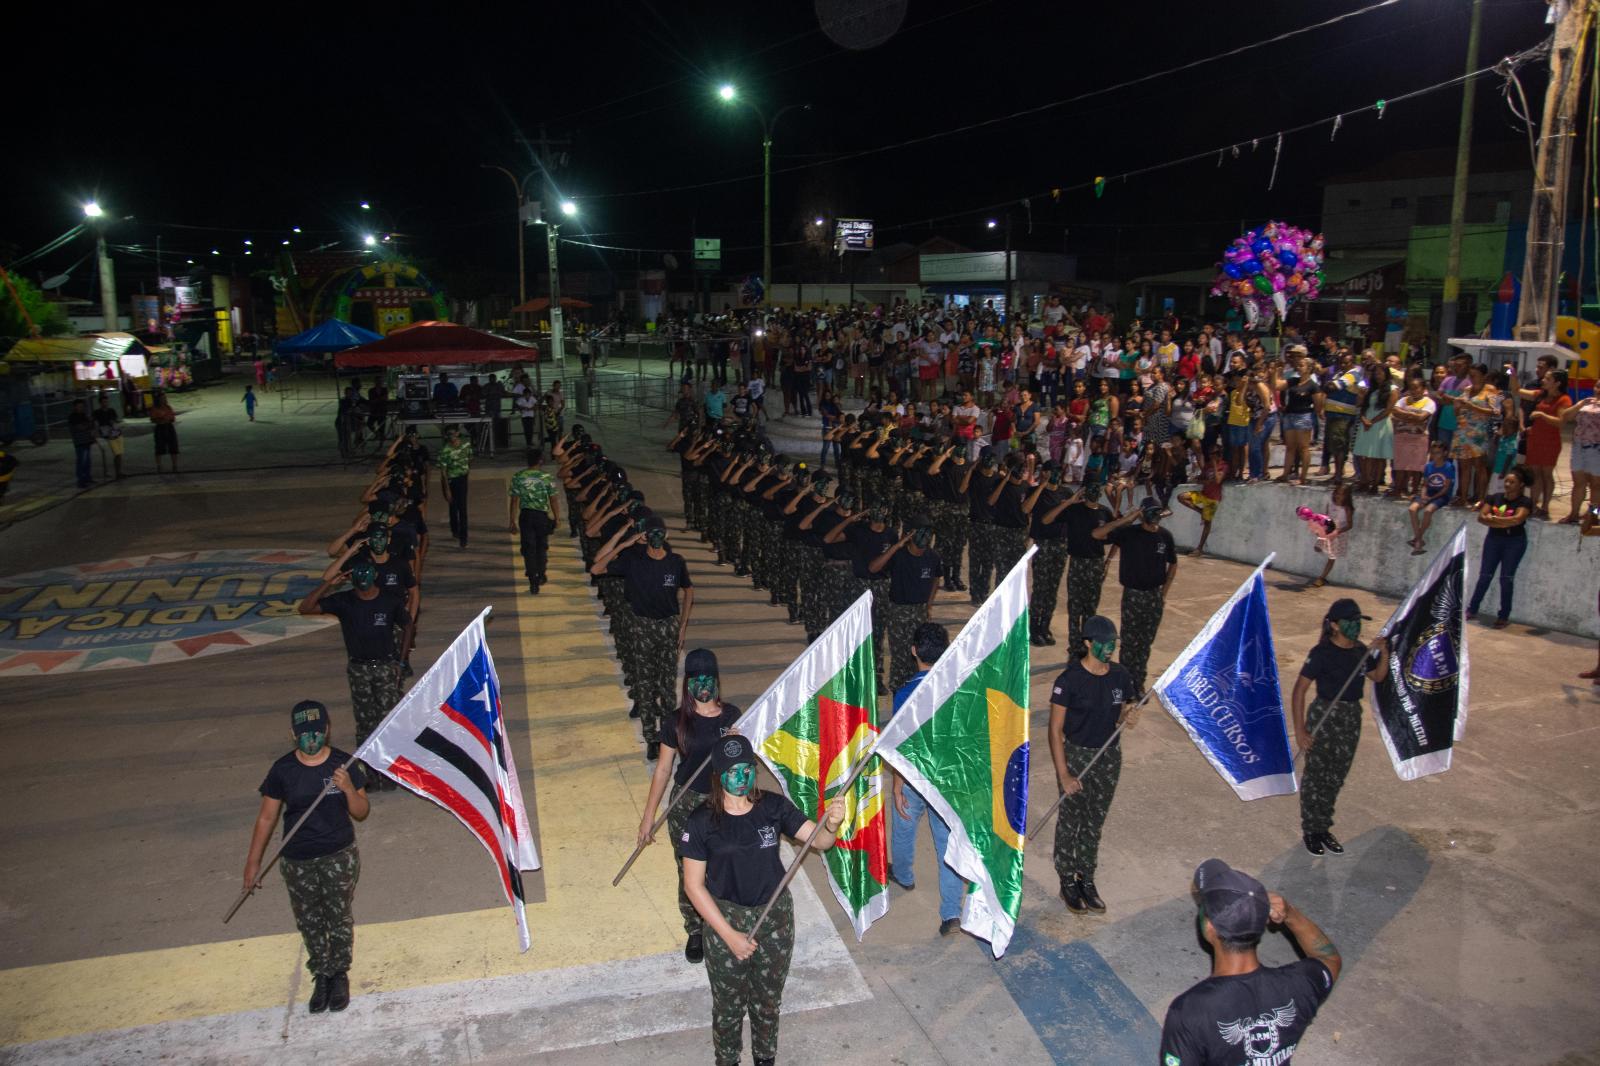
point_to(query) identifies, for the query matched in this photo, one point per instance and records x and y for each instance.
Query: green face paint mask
(1103, 649)
(311, 743)
(1350, 627)
(739, 780)
(703, 688)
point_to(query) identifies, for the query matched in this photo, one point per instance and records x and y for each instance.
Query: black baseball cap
(1346, 609)
(732, 750)
(1235, 903)
(309, 716)
(700, 662)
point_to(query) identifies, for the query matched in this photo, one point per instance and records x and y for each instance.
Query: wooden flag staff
(662, 817)
(1045, 817)
(816, 827)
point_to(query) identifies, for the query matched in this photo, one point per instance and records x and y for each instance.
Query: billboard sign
(853, 235)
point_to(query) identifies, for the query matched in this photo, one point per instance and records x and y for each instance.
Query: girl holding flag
(731, 868)
(1335, 726)
(703, 718)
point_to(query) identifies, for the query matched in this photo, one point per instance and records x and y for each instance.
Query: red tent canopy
(542, 303)
(438, 344)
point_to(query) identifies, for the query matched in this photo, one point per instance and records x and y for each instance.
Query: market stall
(59, 370)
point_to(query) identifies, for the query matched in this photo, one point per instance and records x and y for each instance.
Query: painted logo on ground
(147, 609)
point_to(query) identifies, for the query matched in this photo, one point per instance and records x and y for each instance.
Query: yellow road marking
(591, 786)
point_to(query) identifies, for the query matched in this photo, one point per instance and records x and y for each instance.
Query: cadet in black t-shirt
(1245, 1012)
(979, 485)
(914, 570)
(394, 578)
(731, 868)
(1090, 701)
(368, 618)
(1044, 507)
(320, 862)
(868, 535)
(1080, 516)
(655, 582)
(1147, 568)
(1335, 719)
(688, 736)
(1008, 499)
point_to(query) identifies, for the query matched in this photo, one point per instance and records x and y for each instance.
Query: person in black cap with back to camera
(702, 719)
(1088, 700)
(1147, 567)
(1246, 1009)
(731, 868)
(1331, 750)
(320, 863)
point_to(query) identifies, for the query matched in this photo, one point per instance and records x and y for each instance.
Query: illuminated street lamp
(369, 240)
(92, 210)
(729, 94)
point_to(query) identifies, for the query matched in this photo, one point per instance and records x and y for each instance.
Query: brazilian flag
(961, 740)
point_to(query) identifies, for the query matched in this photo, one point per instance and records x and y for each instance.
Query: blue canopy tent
(330, 336)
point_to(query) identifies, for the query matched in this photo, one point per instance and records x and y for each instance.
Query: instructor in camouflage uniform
(320, 862)
(1330, 732)
(1091, 698)
(731, 867)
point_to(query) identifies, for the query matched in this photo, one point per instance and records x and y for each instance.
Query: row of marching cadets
(373, 587)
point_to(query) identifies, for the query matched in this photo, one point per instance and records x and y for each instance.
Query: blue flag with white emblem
(1223, 689)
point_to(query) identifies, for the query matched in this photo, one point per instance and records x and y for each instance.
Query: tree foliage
(50, 319)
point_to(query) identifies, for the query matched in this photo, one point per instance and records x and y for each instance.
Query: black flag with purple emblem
(1421, 706)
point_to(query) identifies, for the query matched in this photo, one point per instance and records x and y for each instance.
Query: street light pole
(522, 270)
(729, 94)
(108, 278)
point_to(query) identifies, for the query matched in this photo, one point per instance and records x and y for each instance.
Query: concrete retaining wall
(1557, 583)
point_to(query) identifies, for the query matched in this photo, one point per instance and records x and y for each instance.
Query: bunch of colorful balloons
(1268, 268)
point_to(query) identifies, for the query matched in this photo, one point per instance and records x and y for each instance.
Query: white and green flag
(961, 740)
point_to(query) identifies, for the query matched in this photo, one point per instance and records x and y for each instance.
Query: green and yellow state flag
(811, 727)
(961, 740)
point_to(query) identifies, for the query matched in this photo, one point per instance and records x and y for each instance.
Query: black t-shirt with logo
(1081, 520)
(1038, 528)
(296, 785)
(912, 577)
(703, 732)
(741, 850)
(651, 585)
(978, 491)
(828, 521)
(1257, 1017)
(394, 574)
(1146, 555)
(1330, 666)
(866, 544)
(368, 625)
(1093, 702)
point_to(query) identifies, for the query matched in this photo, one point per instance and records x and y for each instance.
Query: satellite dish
(669, 261)
(56, 282)
(860, 24)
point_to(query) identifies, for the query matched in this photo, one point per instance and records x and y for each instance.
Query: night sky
(209, 129)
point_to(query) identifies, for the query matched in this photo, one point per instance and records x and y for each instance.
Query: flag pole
(816, 827)
(1045, 817)
(662, 817)
(278, 851)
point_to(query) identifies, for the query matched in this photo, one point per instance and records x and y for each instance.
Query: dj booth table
(479, 427)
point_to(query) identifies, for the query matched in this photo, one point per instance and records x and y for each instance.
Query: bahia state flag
(1223, 689)
(446, 740)
(1421, 705)
(961, 740)
(811, 727)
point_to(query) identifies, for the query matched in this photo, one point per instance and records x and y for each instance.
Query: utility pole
(547, 163)
(1458, 198)
(1541, 273)
(108, 282)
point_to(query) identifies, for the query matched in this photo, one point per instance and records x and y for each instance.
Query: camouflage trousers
(813, 589)
(879, 587)
(1141, 617)
(1048, 565)
(1009, 544)
(1329, 760)
(624, 632)
(842, 590)
(374, 690)
(760, 539)
(321, 892)
(744, 521)
(950, 527)
(657, 666)
(902, 620)
(1083, 815)
(1085, 577)
(980, 560)
(693, 500)
(677, 821)
(754, 986)
(786, 571)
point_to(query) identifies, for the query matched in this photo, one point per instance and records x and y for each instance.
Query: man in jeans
(82, 429)
(929, 642)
